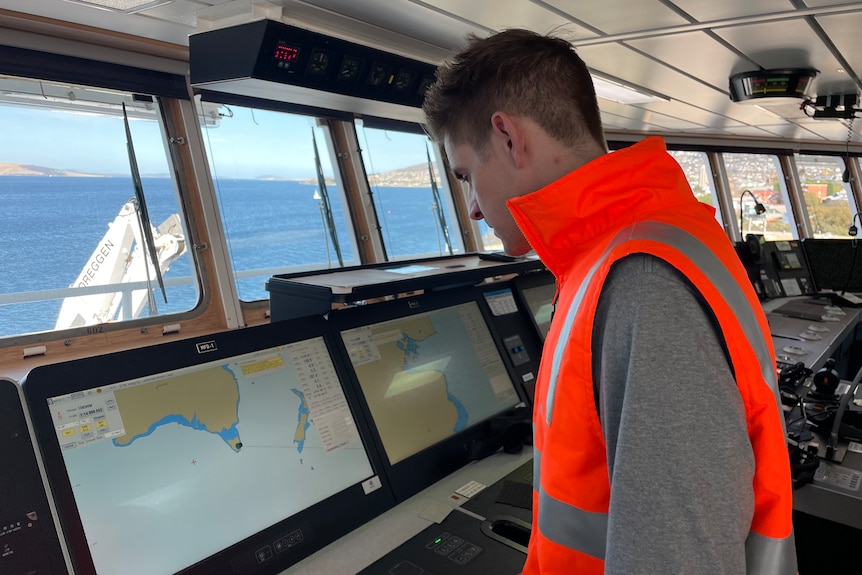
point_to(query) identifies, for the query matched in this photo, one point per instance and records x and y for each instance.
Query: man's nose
(475, 212)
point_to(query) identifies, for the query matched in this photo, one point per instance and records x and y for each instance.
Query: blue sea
(49, 227)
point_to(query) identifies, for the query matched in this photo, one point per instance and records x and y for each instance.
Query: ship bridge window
(760, 174)
(282, 205)
(411, 194)
(828, 199)
(696, 167)
(84, 239)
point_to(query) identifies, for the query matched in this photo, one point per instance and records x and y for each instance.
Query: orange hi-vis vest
(637, 200)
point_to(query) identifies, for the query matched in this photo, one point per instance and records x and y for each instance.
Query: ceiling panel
(822, 3)
(224, 13)
(790, 131)
(707, 106)
(617, 16)
(752, 131)
(784, 44)
(709, 131)
(502, 14)
(135, 24)
(844, 30)
(835, 130)
(754, 114)
(621, 62)
(407, 17)
(722, 116)
(178, 11)
(614, 122)
(788, 109)
(659, 120)
(695, 53)
(709, 10)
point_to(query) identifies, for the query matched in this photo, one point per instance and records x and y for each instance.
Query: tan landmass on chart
(410, 410)
(209, 398)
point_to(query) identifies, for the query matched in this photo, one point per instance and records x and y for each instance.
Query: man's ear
(508, 133)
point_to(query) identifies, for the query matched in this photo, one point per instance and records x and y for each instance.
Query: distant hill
(410, 177)
(12, 169)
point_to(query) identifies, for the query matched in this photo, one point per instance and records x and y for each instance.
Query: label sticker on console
(842, 477)
(372, 484)
(470, 489)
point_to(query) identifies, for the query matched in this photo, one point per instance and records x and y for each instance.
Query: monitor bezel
(23, 488)
(432, 463)
(531, 281)
(321, 523)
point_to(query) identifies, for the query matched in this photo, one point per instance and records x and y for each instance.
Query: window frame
(95, 76)
(257, 310)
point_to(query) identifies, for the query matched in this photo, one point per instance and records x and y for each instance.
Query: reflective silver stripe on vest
(708, 262)
(767, 556)
(586, 532)
(567, 525)
(564, 334)
(537, 468)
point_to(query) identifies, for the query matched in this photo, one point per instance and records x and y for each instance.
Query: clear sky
(76, 141)
(253, 143)
(250, 144)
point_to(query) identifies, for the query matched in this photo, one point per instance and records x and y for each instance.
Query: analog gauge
(378, 76)
(403, 80)
(349, 68)
(318, 64)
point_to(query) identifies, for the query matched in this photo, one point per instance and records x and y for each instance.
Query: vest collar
(563, 218)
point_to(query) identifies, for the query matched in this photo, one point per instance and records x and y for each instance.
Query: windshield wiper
(327, 207)
(143, 217)
(438, 205)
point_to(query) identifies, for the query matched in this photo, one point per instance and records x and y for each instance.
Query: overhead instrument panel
(275, 61)
(760, 86)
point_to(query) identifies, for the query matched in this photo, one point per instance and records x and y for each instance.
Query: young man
(659, 441)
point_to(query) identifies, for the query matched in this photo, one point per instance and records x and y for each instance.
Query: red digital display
(286, 53)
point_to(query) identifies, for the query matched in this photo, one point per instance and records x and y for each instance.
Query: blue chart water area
(195, 423)
(49, 227)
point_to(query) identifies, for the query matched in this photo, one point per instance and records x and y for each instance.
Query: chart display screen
(427, 376)
(171, 468)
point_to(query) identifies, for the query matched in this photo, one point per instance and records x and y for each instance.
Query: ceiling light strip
(124, 6)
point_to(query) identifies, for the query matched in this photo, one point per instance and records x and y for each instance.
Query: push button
(263, 554)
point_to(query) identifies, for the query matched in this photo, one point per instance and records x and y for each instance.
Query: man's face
(492, 180)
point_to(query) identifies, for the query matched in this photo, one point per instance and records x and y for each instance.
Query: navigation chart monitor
(537, 294)
(431, 375)
(834, 264)
(234, 453)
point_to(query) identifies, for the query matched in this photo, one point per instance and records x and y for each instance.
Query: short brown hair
(519, 72)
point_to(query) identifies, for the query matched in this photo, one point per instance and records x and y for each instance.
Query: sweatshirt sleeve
(679, 457)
